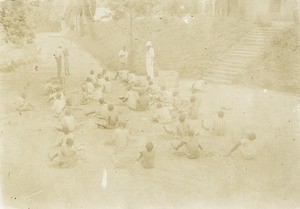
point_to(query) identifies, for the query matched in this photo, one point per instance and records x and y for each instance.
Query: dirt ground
(271, 180)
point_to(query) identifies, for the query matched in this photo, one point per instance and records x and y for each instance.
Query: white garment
(149, 62)
(89, 88)
(248, 149)
(69, 121)
(59, 105)
(163, 115)
(98, 94)
(132, 99)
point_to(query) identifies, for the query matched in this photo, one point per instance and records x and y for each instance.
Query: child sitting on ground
(246, 146)
(218, 126)
(162, 115)
(101, 110)
(22, 104)
(98, 92)
(194, 108)
(111, 120)
(130, 98)
(147, 157)
(67, 122)
(191, 143)
(107, 85)
(166, 96)
(59, 104)
(181, 128)
(142, 102)
(93, 77)
(65, 156)
(57, 90)
(49, 88)
(100, 80)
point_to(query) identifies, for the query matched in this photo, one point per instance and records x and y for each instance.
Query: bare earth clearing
(271, 180)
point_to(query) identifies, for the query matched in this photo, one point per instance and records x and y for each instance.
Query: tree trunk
(130, 56)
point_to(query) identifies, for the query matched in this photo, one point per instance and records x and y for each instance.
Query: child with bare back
(218, 126)
(147, 158)
(162, 115)
(111, 120)
(59, 104)
(67, 122)
(191, 143)
(246, 146)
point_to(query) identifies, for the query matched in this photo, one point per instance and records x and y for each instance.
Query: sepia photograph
(150, 104)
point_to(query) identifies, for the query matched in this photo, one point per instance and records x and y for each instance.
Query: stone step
(226, 72)
(232, 60)
(232, 64)
(216, 80)
(224, 76)
(242, 55)
(229, 69)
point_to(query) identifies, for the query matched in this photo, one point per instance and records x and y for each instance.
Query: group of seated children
(95, 86)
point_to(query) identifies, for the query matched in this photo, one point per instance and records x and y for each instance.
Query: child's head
(69, 102)
(110, 107)
(106, 78)
(149, 146)
(192, 99)
(141, 93)
(159, 105)
(69, 142)
(67, 112)
(220, 114)
(122, 125)
(92, 72)
(99, 75)
(251, 136)
(23, 95)
(65, 129)
(129, 88)
(101, 101)
(181, 118)
(103, 71)
(191, 133)
(175, 93)
(57, 89)
(97, 86)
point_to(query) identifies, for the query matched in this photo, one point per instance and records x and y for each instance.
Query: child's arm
(202, 126)
(235, 147)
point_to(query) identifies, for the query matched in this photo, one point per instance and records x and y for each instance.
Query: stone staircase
(244, 54)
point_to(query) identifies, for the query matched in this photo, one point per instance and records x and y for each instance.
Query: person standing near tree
(58, 58)
(149, 59)
(66, 61)
(123, 56)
